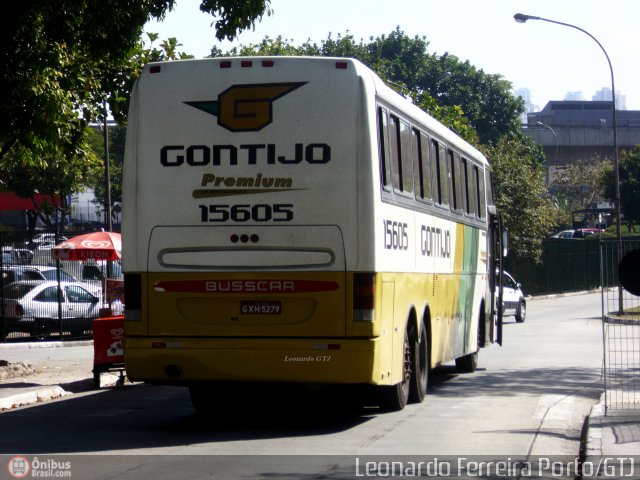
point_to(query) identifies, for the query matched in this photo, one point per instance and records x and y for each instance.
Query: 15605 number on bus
(396, 235)
(279, 212)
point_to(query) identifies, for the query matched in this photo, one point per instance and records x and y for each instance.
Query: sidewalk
(612, 434)
(33, 372)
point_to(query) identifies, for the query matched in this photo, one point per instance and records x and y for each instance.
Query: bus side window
(456, 184)
(406, 163)
(442, 176)
(489, 187)
(385, 167)
(470, 190)
(394, 150)
(417, 164)
(482, 206)
(422, 165)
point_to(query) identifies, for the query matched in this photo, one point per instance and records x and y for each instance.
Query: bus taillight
(132, 296)
(364, 286)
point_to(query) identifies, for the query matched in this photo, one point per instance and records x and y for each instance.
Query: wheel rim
(407, 368)
(422, 359)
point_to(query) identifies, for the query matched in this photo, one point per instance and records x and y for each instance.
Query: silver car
(40, 308)
(513, 301)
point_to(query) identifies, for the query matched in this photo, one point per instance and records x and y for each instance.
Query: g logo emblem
(246, 108)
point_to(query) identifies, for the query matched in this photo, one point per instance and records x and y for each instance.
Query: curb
(594, 430)
(36, 345)
(34, 396)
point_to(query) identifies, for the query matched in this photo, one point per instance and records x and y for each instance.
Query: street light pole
(107, 171)
(557, 147)
(522, 18)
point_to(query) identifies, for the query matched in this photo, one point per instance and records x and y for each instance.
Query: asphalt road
(528, 398)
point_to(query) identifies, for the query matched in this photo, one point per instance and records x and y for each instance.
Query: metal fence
(566, 266)
(621, 333)
(42, 298)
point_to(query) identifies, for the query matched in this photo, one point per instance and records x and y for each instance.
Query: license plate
(260, 308)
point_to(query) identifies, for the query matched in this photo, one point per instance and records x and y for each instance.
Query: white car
(513, 302)
(32, 307)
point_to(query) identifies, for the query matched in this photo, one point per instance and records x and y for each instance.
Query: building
(525, 95)
(581, 130)
(604, 94)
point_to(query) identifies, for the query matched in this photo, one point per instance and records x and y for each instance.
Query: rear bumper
(187, 360)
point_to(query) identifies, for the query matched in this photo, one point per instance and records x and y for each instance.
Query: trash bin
(108, 355)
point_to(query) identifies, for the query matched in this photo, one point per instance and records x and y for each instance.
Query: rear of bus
(241, 217)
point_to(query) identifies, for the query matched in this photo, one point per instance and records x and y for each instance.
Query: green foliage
(123, 75)
(54, 57)
(486, 99)
(116, 162)
(629, 173)
(520, 194)
(61, 61)
(476, 105)
(235, 15)
(577, 187)
(53, 173)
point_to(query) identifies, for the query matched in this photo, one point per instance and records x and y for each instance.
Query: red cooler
(108, 356)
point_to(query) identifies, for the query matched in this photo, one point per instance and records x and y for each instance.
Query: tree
(116, 162)
(56, 174)
(629, 173)
(62, 59)
(577, 187)
(476, 105)
(520, 194)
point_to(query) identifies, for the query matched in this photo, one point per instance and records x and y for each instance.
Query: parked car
(32, 307)
(16, 273)
(44, 240)
(578, 233)
(513, 301)
(20, 256)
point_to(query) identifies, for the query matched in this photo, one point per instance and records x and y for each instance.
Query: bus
(294, 220)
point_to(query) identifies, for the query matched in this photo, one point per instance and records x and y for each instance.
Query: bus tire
(395, 397)
(420, 377)
(203, 399)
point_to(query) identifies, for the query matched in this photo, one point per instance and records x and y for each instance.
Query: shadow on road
(139, 416)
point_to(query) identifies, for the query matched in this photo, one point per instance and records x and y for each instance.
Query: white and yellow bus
(292, 219)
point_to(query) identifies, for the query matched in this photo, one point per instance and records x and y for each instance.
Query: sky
(548, 59)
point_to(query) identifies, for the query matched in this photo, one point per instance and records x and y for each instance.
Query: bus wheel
(203, 398)
(420, 377)
(395, 397)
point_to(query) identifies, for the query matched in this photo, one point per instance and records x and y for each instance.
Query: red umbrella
(91, 246)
